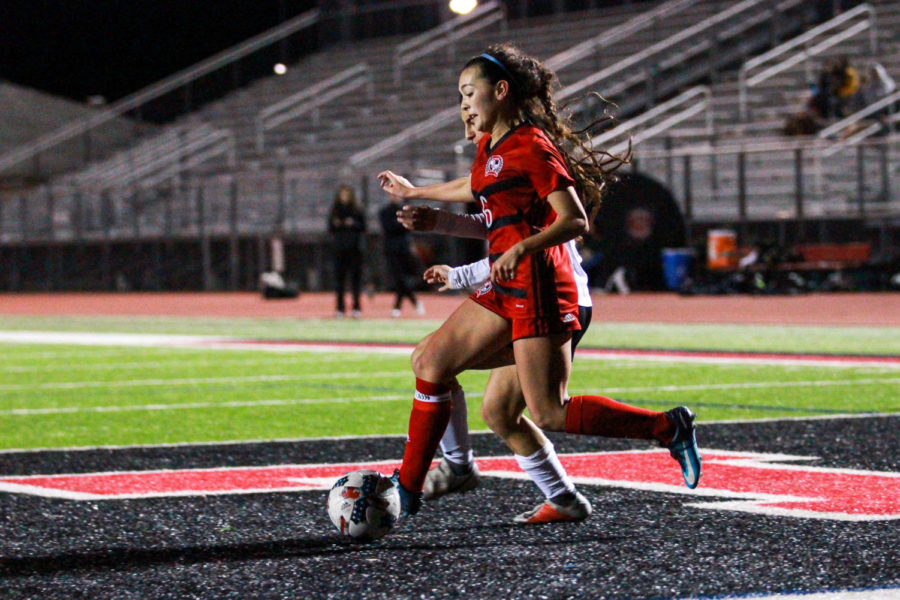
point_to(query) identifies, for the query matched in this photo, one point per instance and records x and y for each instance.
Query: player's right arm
(457, 190)
(456, 278)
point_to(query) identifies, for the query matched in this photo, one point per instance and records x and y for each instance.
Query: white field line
(192, 341)
(205, 342)
(197, 405)
(192, 381)
(399, 435)
(150, 364)
(357, 399)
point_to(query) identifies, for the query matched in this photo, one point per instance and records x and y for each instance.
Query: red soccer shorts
(524, 325)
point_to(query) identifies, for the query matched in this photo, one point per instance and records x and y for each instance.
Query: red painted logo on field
(772, 484)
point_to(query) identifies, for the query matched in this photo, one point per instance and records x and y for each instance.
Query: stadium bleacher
(230, 175)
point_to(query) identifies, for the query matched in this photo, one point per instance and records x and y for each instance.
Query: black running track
(638, 544)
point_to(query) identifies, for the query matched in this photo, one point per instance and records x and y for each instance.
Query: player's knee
(493, 417)
(498, 417)
(416, 356)
(427, 364)
(549, 419)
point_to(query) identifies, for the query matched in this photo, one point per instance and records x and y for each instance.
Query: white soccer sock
(455, 445)
(546, 471)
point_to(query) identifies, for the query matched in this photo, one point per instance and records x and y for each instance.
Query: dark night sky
(78, 48)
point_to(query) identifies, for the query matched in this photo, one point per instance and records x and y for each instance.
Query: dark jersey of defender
(512, 180)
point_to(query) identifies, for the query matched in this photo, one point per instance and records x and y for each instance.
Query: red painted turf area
(758, 483)
(873, 309)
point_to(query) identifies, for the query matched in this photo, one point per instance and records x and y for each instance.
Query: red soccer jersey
(512, 181)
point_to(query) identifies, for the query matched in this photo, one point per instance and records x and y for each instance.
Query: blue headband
(502, 67)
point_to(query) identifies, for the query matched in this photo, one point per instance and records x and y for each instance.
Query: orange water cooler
(721, 249)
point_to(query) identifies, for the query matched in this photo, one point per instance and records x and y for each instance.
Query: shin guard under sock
(427, 421)
(598, 415)
(455, 445)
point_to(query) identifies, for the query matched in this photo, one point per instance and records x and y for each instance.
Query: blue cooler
(677, 265)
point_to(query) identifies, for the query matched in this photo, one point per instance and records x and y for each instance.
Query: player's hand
(395, 185)
(504, 268)
(417, 218)
(438, 274)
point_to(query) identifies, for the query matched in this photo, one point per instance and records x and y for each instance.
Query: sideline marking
(330, 438)
(192, 341)
(749, 482)
(112, 408)
(193, 381)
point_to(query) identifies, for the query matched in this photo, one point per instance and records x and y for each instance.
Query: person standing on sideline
(399, 261)
(347, 224)
(530, 184)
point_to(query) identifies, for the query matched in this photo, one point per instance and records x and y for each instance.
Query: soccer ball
(364, 505)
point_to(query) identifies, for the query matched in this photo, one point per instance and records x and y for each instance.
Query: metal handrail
(204, 152)
(158, 89)
(745, 82)
(859, 115)
(443, 35)
(853, 119)
(703, 27)
(311, 98)
(414, 132)
(608, 38)
(559, 60)
(707, 149)
(667, 123)
(175, 151)
(162, 144)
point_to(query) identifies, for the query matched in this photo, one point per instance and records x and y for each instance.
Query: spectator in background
(347, 224)
(876, 84)
(399, 260)
(835, 95)
(823, 103)
(846, 81)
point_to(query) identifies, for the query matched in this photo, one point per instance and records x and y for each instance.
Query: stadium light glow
(463, 7)
(279, 68)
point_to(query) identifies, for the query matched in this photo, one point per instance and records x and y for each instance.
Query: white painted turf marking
(195, 342)
(191, 341)
(394, 435)
(301, 401)
(190, 381)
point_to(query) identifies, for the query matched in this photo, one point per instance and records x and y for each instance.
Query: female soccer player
(502, 404)
(525, 177)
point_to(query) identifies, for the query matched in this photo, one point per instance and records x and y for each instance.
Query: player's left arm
(456, 190)
(436, 220)
(571, 221)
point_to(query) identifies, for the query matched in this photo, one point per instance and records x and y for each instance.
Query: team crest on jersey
(484, 289)
(494, 166)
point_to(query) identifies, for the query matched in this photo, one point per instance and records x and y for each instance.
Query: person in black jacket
(399, 260)
(347, 223)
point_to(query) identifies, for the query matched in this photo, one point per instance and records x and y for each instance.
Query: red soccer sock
(427, 422)
(598, 415)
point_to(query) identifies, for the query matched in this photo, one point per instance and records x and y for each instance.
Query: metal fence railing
(308, 100)
(446, 35)
(779, 181)
(803, 48)
(173, 91)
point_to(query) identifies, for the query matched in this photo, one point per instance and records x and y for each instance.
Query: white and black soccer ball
(364, 505)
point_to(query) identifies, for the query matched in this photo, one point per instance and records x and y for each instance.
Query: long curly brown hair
(530, 85)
